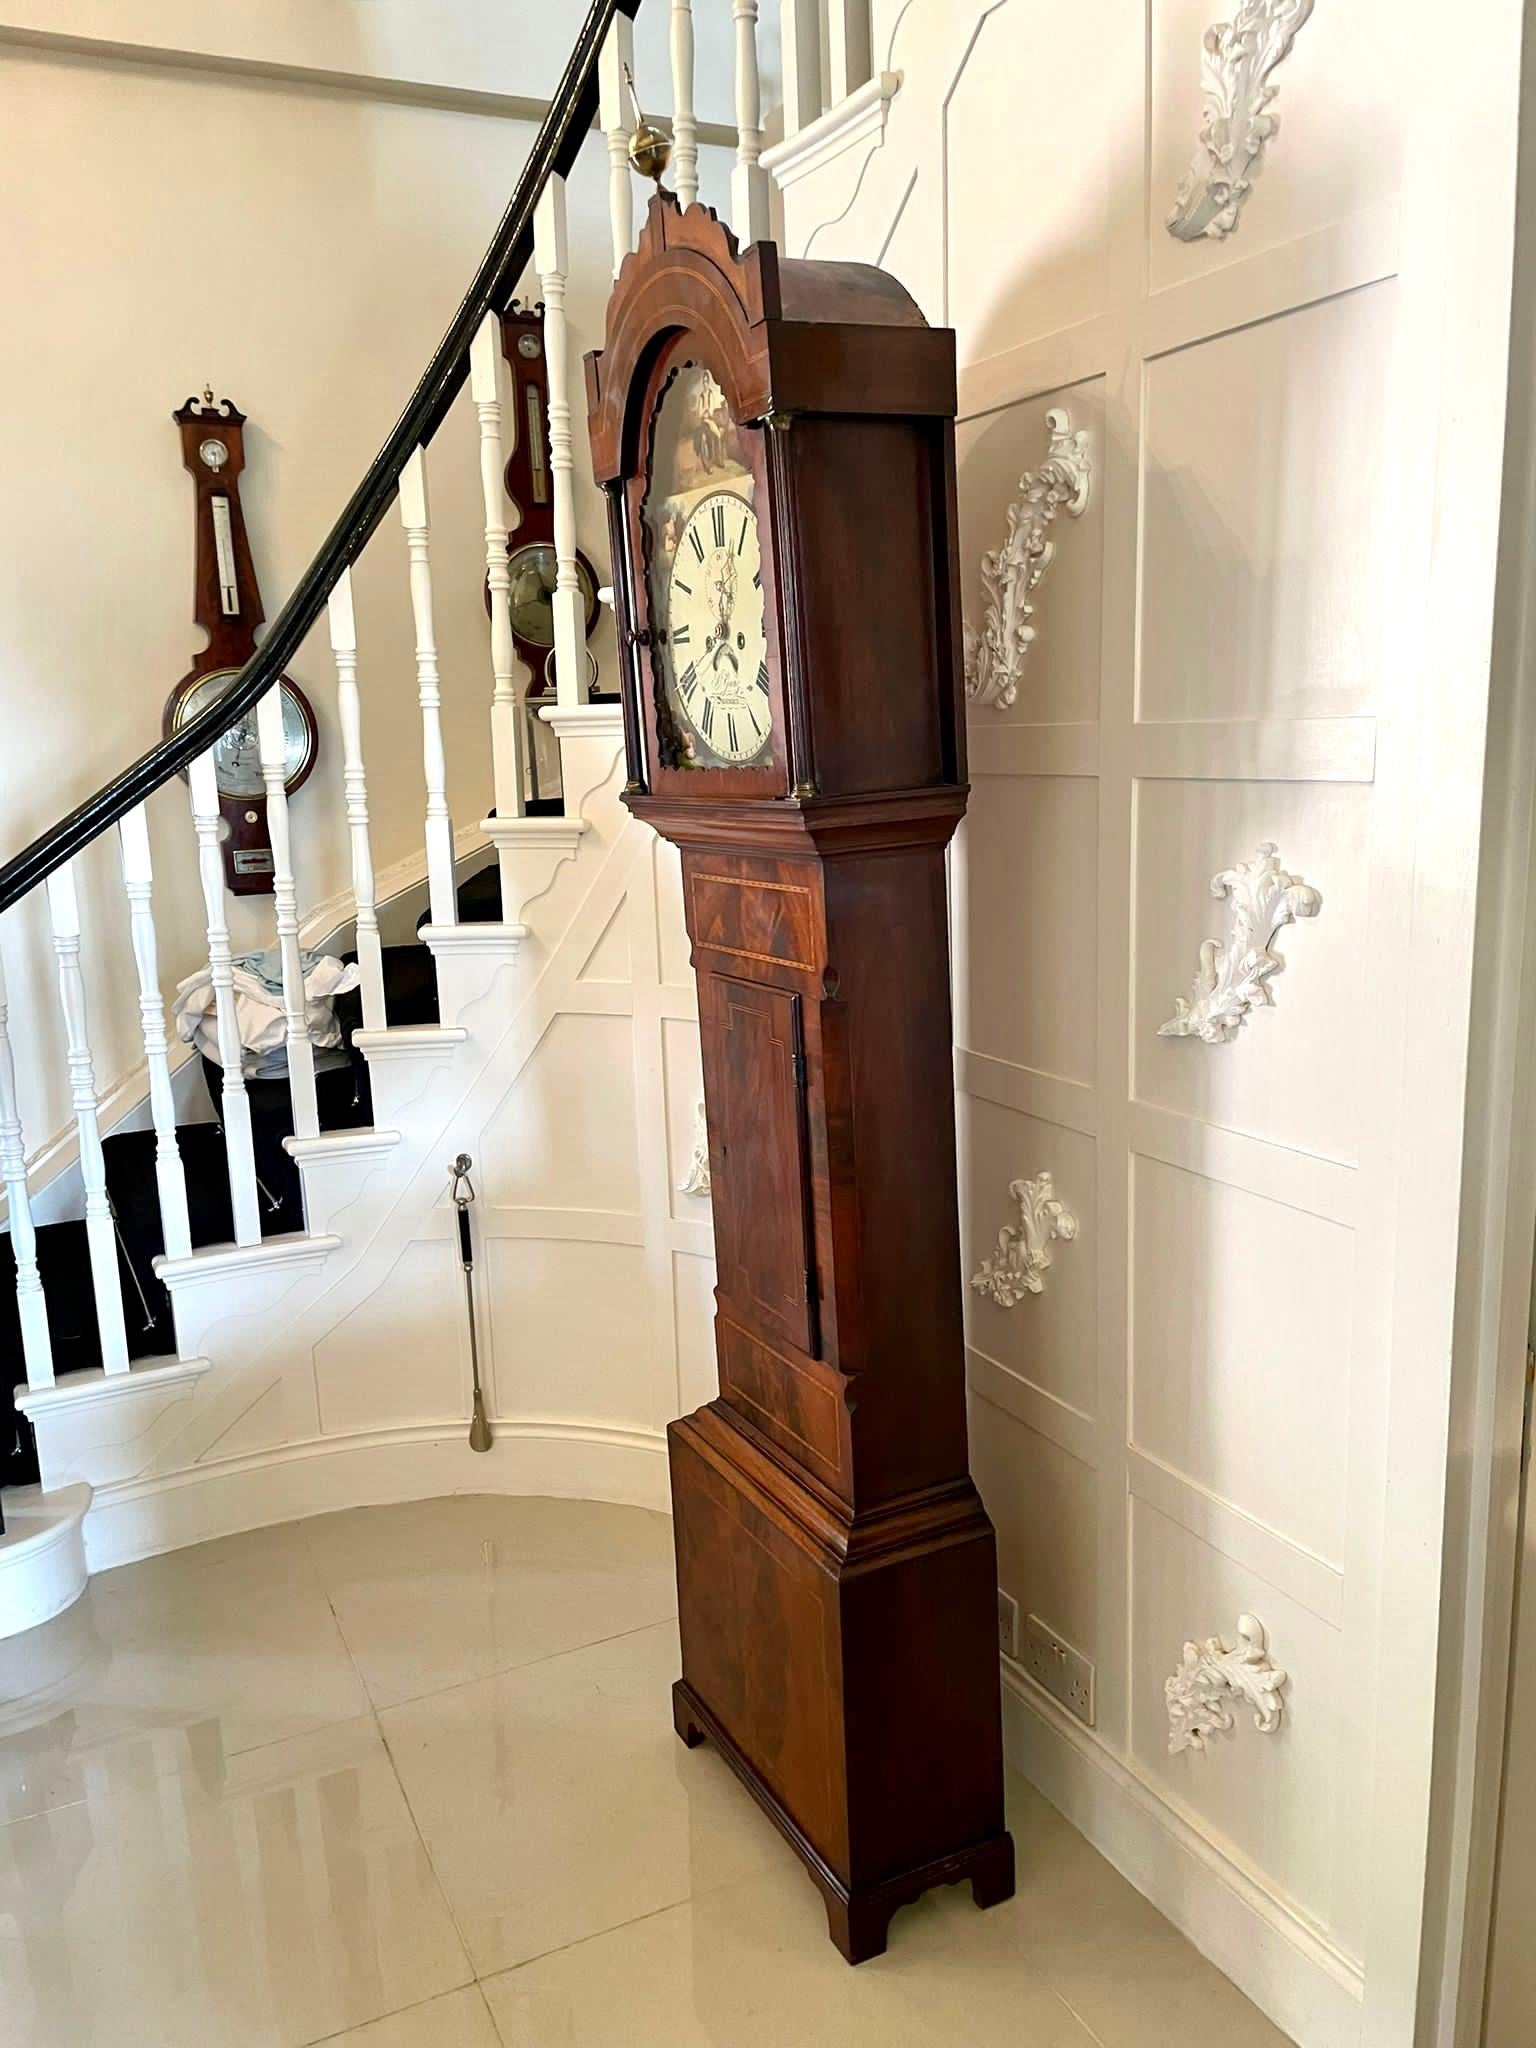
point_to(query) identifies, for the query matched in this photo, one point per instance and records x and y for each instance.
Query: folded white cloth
(259, 1018)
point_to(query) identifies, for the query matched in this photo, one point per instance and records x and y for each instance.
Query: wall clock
(531, 544)
(776, 440)
(227, 605)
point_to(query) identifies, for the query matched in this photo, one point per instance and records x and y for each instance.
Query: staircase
(344, 1103)
(151, 1340)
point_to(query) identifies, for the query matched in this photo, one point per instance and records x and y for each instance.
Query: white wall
(302, 249)
(1247, 637)
(471, 49)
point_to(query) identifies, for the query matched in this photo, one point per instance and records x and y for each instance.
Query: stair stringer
(313, 1404)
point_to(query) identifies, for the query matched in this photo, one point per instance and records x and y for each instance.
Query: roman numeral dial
(715, 648)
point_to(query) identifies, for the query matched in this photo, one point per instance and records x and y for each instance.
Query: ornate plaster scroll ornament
(1212, 1681)
(1239, 56)
(696, 1180)
(1023, 1256)
(1234, 978)
(994, 658)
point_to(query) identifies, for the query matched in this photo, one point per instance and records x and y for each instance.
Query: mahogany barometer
(776, 440)
(227, 605)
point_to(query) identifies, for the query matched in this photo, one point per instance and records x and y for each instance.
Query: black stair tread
(480, 898)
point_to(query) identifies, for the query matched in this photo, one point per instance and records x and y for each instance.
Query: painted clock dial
(706, 582)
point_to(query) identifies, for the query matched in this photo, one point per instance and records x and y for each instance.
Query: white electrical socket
(1064, 1672)
(1007, 1624)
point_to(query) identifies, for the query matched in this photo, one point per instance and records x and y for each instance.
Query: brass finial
(650, 148)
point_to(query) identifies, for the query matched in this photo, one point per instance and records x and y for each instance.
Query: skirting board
(373, 1468)
(1308, 1989)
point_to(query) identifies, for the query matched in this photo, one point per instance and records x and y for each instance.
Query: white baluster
(848, 48)
(749, 181)
(506, 697)
(551, 256)
(415, 519)
(685, 128)
(617, 58)
(31, 1309)
(370, 957)
(170, 1175)
(234, 1103)
(800, 48)
(100, 1233)
(285, 902)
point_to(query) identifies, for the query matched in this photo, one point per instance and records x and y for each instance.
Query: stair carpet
(345, 1103)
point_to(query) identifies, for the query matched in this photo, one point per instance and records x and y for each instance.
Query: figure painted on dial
(706, 579)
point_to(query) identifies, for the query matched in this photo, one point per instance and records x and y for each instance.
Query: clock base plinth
(845, 1666)
(858, 1923)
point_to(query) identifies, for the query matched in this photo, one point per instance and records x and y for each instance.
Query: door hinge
(797, 1066)
(811, 1293)
(1530, 1391)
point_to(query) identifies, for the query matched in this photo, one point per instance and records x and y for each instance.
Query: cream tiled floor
(406, 1778)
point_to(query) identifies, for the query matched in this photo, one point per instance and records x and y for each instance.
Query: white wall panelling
(1194, 1419)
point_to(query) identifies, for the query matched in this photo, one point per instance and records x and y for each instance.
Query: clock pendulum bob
(776, 440)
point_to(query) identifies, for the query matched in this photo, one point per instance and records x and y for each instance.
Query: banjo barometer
(227, 605)
(776, 441)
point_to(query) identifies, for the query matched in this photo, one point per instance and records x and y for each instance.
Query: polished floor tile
(215, 1834)
(751, 1967)
(293, 1900)
(192, 1658)
(1076, 1959)
(459, 2020)
(1123, 1969)
(557, 1801)
(433, 1593)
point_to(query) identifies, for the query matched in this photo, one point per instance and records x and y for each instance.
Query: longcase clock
(227, 605)
(776, 440)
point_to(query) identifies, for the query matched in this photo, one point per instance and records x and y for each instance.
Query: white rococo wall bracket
(1212, 1681)
(1234, 978)
(1023, 1256)
(696, 1180)
(994, 657)
(1235, 68)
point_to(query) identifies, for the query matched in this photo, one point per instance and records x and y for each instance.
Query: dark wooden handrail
(555, 149)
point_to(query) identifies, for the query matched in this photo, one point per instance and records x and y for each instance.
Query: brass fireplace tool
(462, 1194)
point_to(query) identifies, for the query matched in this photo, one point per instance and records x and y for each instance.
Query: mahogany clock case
(836, 1569)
